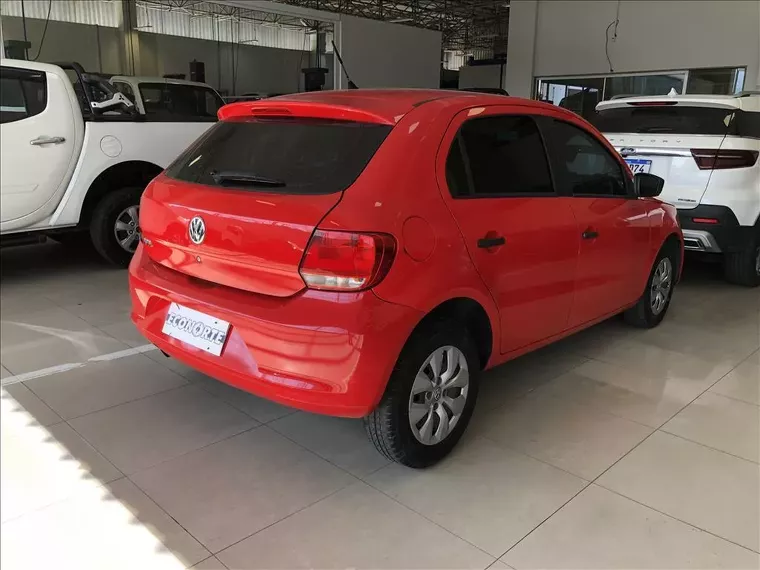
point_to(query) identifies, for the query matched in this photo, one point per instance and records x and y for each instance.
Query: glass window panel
(716, 81)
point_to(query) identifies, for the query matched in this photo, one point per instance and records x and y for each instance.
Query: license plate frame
(197, 329)
(639, 165)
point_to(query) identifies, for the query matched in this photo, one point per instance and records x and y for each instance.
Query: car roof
(747, 102)
(392, 104)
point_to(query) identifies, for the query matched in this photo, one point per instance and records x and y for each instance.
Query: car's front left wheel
(429, 398)
(654, 303)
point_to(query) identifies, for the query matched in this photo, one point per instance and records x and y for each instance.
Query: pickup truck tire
(103, 223)
(743, 267)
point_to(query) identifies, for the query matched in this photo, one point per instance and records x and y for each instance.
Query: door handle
(590, 234)
(47, 140)
(487, 242)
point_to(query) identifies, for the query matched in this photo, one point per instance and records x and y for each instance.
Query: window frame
(21, 75)
(545, 124)
(167, 115)
(471, 195)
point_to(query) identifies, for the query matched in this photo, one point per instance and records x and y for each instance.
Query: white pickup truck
(77, 150)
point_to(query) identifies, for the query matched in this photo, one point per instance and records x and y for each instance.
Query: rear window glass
(178, 101)
(677, 119)
(287, 156)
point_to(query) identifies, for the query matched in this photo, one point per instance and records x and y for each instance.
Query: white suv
(706, 149)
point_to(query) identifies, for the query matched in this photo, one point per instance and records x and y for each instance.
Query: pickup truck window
(179, 102)
(23, 93)
(125, 89)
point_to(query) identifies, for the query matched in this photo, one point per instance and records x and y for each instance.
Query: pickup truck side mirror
(647, 185)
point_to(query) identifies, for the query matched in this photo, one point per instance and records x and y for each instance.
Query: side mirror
(647, 185)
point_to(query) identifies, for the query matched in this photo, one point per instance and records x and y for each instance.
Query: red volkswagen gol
(368, 253)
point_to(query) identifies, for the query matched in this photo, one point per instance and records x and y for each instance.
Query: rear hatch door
(662, 138)
(239, 207)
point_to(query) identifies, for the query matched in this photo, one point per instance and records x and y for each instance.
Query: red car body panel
(333, 352)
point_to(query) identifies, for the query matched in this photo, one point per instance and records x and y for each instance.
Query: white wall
(379, 54)
(481, 76)
(96, 48)
(567, 37)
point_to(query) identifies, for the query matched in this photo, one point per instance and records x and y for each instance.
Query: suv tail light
(346, 261)
(711, 159)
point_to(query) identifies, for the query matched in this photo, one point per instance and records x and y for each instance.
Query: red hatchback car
(368, 253)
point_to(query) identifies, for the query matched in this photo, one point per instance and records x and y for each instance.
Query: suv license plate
(639, 165)
(196, 329)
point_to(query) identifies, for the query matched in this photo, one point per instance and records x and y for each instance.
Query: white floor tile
(358, 527)
(100, 385)
(143, 433)
(342, 442)
(709, 489)
(579, 439)
(601, 530)
(232, 489)
(743, 382)
(717, 421)
(488, 495)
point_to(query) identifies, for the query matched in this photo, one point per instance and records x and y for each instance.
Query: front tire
(113, 227)
(653, 304)
(430, 397)
(743, 267)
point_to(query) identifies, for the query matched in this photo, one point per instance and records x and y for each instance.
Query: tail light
(346, 261)
(711, 159)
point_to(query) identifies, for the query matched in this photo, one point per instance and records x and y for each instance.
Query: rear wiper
(235, 177)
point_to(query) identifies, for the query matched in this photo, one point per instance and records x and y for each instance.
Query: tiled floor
(616, 448)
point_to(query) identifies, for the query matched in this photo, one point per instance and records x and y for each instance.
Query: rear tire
(115, 206)
(743, 267)
(651, 308)
(389, 426)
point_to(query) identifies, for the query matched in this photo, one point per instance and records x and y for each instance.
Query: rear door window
(23, 94)
(180, 102)
(676, 119)
(498, 156)
(283, 155)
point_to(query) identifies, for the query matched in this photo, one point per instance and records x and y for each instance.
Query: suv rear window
(676, 119)
(283, 155)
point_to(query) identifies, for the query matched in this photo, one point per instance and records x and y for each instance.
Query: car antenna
(351, 84)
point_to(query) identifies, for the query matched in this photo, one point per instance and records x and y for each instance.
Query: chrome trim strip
(650, 151)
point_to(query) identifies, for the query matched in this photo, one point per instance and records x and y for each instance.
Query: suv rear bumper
(323, 352)
(721, 234)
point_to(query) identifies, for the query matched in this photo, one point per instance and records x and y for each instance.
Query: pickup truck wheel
(114, 225)
(429, 398)
(743, 267)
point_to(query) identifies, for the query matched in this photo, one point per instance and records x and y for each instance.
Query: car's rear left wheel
(429, 398)
(743, 267)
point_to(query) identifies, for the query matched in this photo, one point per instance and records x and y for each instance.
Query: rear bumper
(722, 234)
(328, 353)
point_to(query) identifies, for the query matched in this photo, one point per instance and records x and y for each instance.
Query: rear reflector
(346, 261)
(705, 221)
(712, 159)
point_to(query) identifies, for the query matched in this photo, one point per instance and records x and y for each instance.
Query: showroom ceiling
(468, 26)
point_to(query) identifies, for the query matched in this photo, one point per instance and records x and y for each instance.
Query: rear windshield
(283, 155)
(677, 119)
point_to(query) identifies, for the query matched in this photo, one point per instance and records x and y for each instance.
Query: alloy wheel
(438, 395)
(662, 283)
(126, 228)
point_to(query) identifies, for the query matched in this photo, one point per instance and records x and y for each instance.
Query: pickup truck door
(38, 143)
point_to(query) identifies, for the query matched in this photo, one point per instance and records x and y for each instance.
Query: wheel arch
(473, 316)
(130, 173)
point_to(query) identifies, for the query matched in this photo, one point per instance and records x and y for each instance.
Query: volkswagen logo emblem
(197, 230)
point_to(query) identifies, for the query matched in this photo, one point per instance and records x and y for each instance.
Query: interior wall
(380, 54)
(480, 76)
(95, 47)
(259, 69)
(567, 37)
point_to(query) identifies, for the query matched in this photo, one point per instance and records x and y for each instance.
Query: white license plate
(639, 165)
(196, 329)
